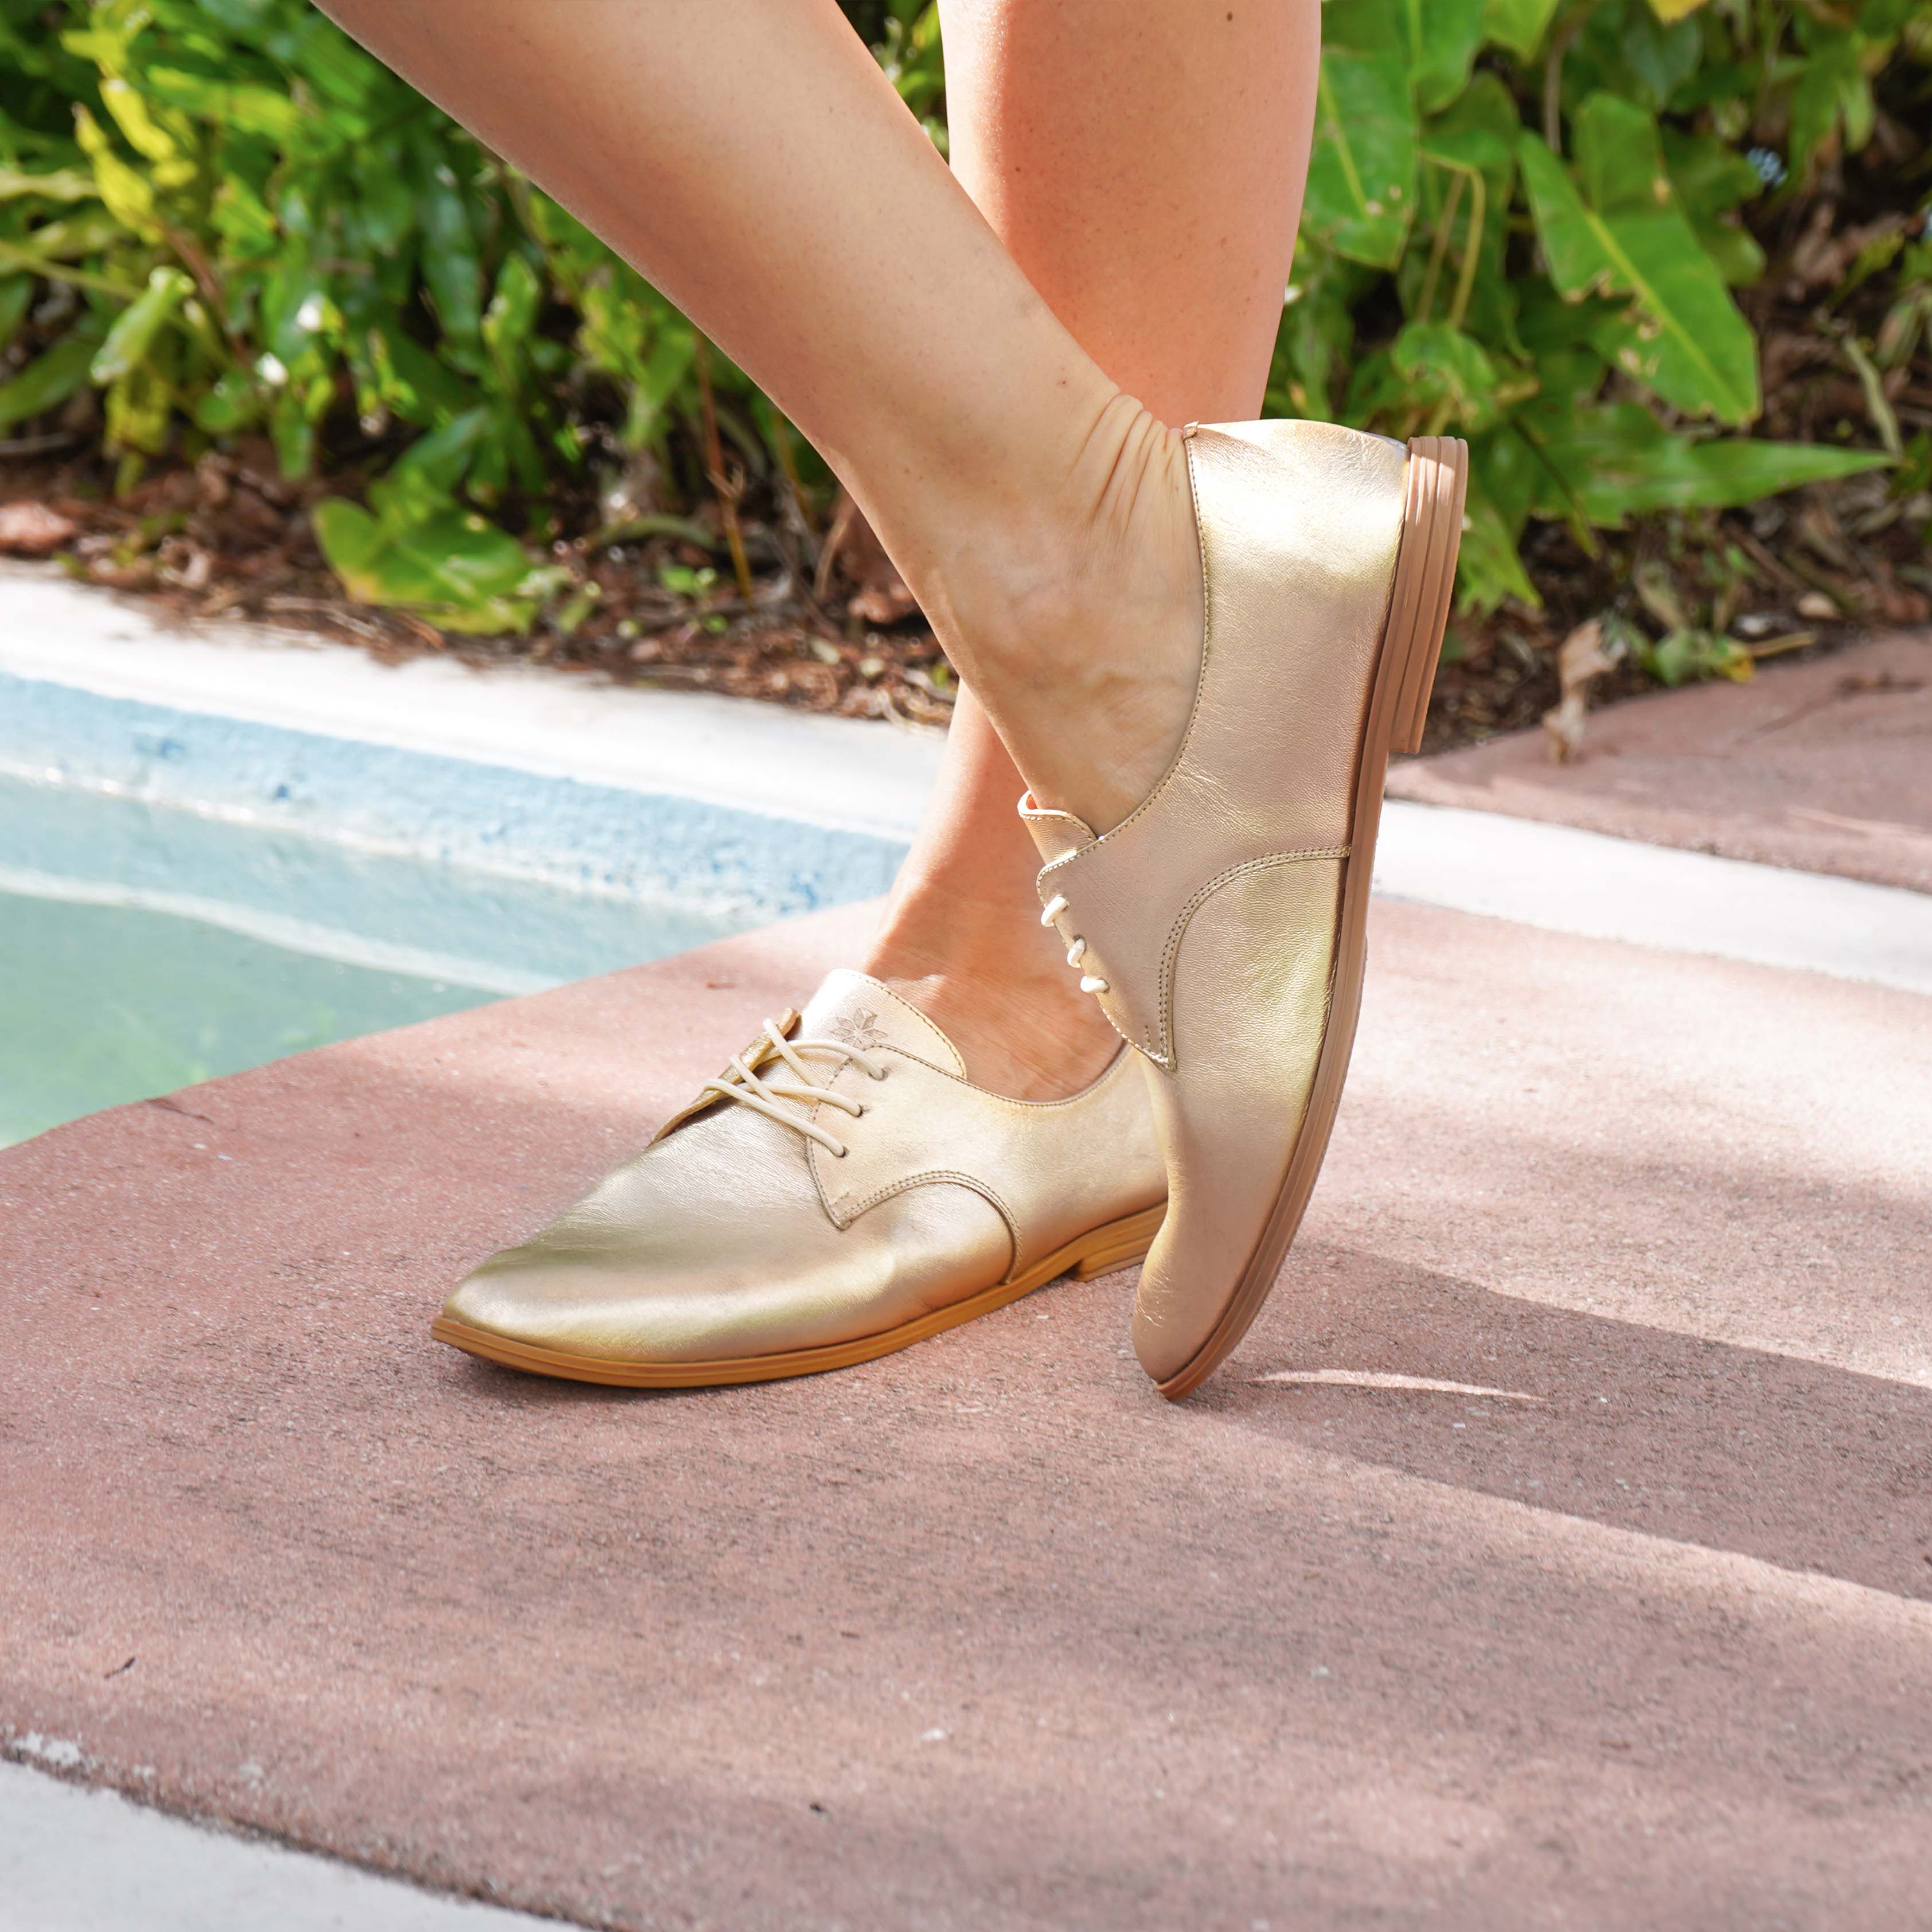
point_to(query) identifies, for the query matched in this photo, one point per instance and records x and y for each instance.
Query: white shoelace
(1076, 953)
(768, 1097)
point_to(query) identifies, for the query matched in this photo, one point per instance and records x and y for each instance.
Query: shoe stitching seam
(845, 1212)
(1178, 930)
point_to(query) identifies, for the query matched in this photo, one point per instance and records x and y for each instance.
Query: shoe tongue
(861, 1012)
(1056, 833)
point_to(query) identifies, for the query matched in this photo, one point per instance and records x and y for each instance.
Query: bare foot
(983, 972)
(1042, 1041)
(1083, 621)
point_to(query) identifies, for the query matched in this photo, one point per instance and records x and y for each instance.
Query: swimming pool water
(103, 1004)
(144, 947)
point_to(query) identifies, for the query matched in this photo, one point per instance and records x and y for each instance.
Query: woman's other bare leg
(750, 158)
(1144, 165)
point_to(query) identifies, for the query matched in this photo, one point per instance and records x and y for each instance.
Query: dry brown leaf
(880, 595)
(32, 529)
(887, 603)
(1582, 658)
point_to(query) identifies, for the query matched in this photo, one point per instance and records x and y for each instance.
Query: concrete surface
(1825, 765)
(1564, 880)
(1557, 1550)
(78, 1861)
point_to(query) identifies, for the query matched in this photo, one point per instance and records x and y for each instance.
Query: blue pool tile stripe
(630, 843)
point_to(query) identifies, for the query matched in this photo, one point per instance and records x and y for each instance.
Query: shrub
(1528, 221)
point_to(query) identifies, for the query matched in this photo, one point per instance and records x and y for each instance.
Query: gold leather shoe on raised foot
(1221, 925)
(839, 1191)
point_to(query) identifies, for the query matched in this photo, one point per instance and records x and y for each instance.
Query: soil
(829, 626)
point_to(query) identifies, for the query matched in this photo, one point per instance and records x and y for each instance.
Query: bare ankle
(1081, 619)
(1017, 1016)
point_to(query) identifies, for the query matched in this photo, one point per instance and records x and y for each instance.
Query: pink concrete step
(1553, 1551)
(1825, 765)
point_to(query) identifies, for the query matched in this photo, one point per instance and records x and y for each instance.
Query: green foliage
(416, 549)
(1568, 307)
(1522, 226)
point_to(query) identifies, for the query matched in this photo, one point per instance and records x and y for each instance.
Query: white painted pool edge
(850, 775)
(1560, 880)
(844, 774)
(74, 1858)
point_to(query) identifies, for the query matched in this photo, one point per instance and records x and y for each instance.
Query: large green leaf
(451, 262)
(136, 407)
(1619, 159)
(1447, 374)
(1317, 333)
(512, 319)
(1617, 461)
(429, 471)
(405, 377)
(451, 566)
(132, 335)
(1662, 49)
(1710, 179)
(1518, 24)
(235, 403)
(17, 297)
(129, 193)
(1833, 90)
(1437, 40)
(55, 184)
(50, 379)
(1362, 174)
(257, 110)
(1687, 341)
(1443, 36)
(1489, 568)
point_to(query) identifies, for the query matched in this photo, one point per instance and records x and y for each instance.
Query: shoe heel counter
(1425, 580)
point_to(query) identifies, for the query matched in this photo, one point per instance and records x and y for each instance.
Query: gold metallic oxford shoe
(841, 1190)
(1221, 925)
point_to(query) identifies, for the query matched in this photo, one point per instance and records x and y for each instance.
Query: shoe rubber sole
(1099, 1251)
(1412, 633)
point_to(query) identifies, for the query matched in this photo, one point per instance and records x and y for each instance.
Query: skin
(1165, 254)
(969, 348)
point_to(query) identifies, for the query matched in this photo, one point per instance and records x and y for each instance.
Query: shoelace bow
(769, 1097)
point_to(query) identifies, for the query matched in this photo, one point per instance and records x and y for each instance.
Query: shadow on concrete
(1794, 1462)
(984, 1637)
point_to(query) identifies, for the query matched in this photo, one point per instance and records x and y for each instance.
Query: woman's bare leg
(1144, 166)
(750, 158)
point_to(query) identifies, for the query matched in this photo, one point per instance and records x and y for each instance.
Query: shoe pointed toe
(739, 1247)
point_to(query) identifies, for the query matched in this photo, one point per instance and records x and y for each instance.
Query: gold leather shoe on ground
(1221, 925)
(839, 1191)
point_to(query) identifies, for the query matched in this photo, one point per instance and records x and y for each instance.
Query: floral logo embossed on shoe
(860, 1031)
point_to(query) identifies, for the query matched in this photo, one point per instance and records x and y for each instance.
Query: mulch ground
(830, 627)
